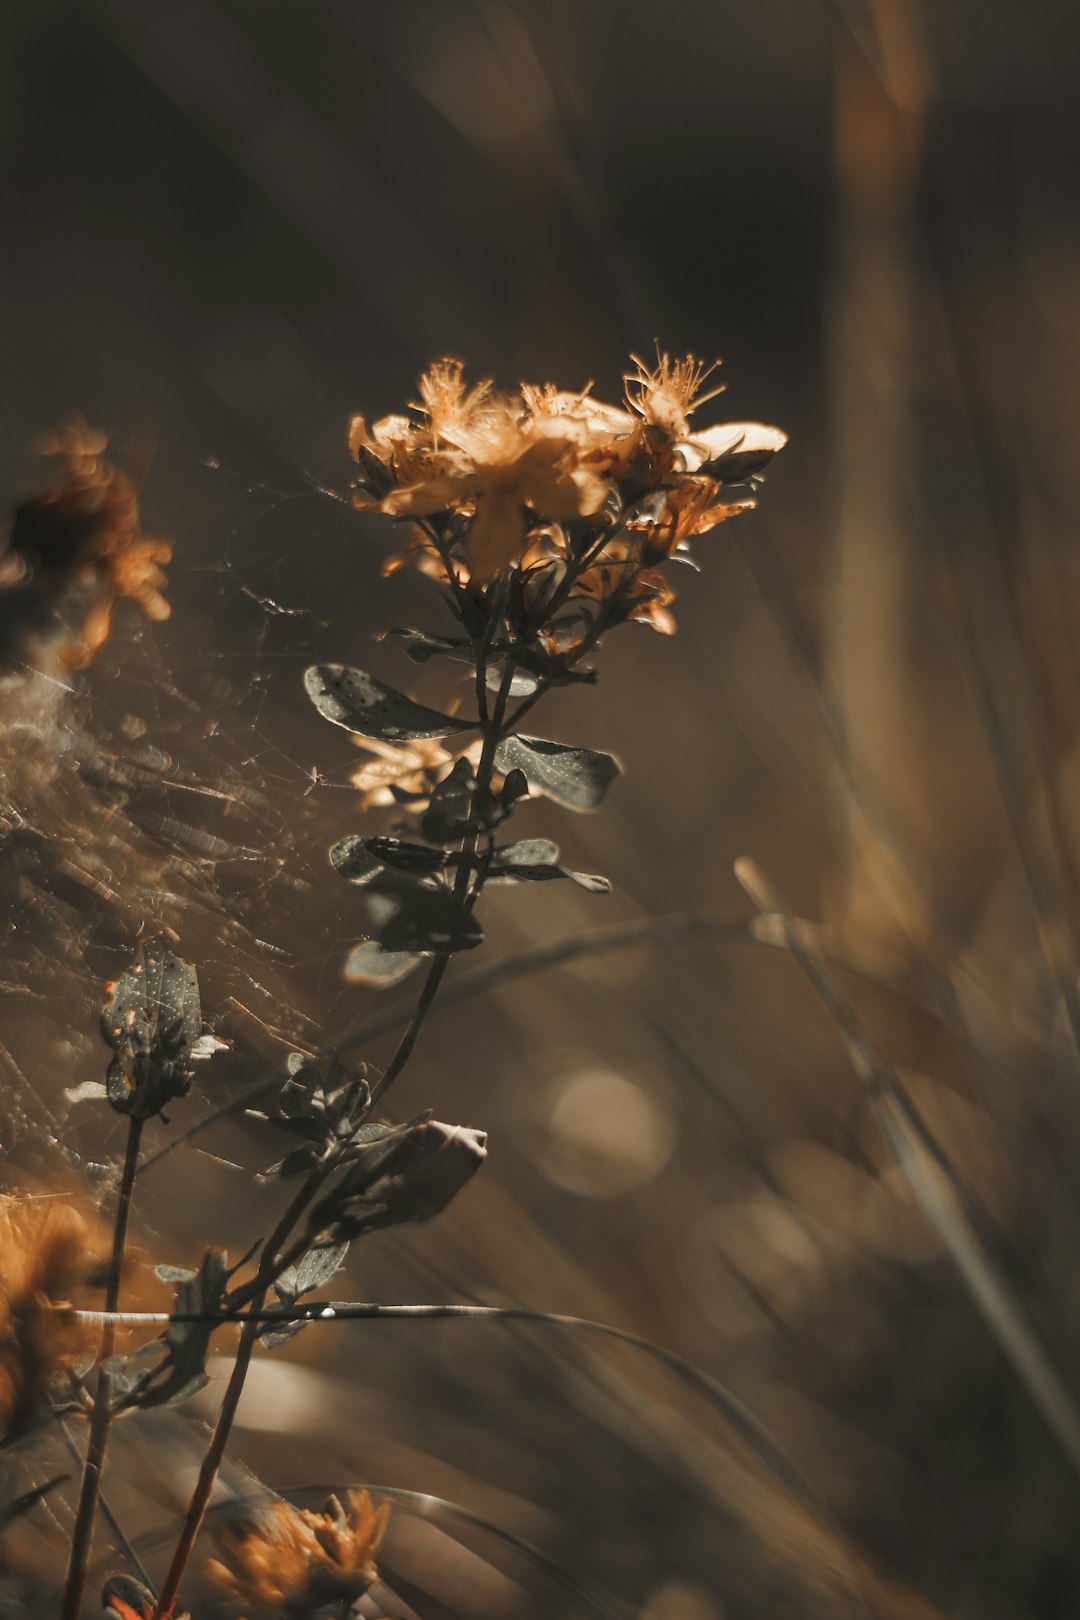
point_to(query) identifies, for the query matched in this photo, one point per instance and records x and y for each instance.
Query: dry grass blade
(936, 1187)
(447, 1515)
(745, 1424)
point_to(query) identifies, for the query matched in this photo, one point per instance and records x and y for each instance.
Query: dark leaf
(521, 684)
(536, 860)
(405, 857)
(369, 964)
(576, 778)
(324, 1111)
(322, 1261)
(173, 1367)
(295, 1163)
(515, 787)
(153, 1022)
(421, 645)
(357, 701)
(408, 917)
(351, 858)
(410, 1175)
(271, 1337)
(526, 852)
(156, 994)
(551, 667)
(174, 1274)
(448, 815)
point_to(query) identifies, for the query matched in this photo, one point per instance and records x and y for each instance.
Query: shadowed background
(228, 227)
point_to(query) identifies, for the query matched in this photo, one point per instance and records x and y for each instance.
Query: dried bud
(153, 1022)
(409, 1174)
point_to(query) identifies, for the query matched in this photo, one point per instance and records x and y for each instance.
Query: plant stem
(493, 732)
(89, 1490)
(273, 1263)
(270, 1266)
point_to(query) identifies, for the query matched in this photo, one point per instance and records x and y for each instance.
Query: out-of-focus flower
(350, 1535)
(84, 532)
(298, 1559)
(44, 1258)
(405, 772)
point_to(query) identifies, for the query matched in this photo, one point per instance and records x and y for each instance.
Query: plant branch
(270, 1266)
(101, 1419)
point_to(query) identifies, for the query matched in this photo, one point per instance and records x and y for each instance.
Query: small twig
(124, 1540)
(270, 1266)
(93, 1466)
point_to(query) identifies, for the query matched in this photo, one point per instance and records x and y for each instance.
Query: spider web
(181, 782)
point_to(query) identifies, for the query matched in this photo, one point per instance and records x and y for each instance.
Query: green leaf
(357, 701)
(576, 778)
(369, 964)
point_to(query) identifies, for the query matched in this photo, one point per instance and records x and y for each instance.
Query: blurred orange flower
(85, 531)
(297, 1558)
(44, 1258)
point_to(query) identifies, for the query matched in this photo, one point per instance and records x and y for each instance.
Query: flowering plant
(547, 520)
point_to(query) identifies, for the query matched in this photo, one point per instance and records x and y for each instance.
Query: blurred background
(228, 226)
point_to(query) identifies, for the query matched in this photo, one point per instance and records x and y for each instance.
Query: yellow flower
(298, 1559)
(44, 1257)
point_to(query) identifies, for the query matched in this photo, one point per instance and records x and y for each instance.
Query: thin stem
(493, 732)
(90, 1488)
(122, 1537)
(742, 1420)
(270, 1266)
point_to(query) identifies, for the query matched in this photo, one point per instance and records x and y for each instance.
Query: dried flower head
(82, 535)
(297, 1559)
(44, 1259)
(666, 394)
(560, 493)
